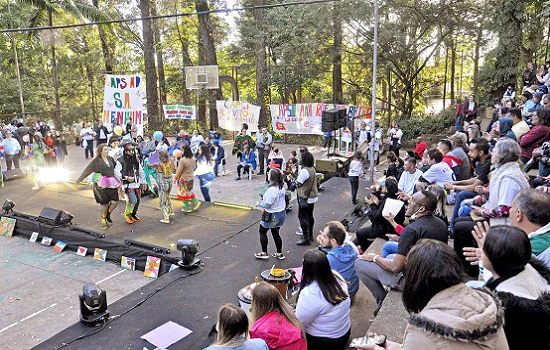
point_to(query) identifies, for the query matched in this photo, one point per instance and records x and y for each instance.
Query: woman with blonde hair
(232, 328)
(165, 168)
(275, 321)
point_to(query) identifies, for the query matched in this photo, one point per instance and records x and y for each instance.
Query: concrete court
(38, 295)
(66, 272)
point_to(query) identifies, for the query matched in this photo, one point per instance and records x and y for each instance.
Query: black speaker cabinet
(342, 118)
(50, 216)
(330, 120)
(13, 174)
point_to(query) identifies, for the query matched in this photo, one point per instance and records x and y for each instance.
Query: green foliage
(426, 124)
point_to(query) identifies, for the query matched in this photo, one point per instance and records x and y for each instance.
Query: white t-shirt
(87, 134)
(355, 168)
(303, 176)
(204, 167)
(196, 140)
(363, 136)
(408, 181)
(102, 135)
(440, 173)
(276, 197)
(319, 317)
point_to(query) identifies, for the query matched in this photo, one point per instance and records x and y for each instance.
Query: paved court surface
(39, 289)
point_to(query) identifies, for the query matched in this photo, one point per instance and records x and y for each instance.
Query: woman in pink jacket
(539, 134)
(275, 321)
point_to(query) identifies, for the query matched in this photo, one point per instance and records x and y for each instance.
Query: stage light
(93, 305)
(189, 248)
(8, 206)
(54, 174)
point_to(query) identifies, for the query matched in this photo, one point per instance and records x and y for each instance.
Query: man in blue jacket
(341, 254)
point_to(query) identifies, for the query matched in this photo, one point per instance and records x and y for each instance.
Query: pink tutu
(108, 182)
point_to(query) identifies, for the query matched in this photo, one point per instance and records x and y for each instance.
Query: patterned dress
(164, 181)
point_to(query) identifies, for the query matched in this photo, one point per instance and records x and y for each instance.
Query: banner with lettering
(123, 100)
(179, 112)
(232, 114)
(306, 118)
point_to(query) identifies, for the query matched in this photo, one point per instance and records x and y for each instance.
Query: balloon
(118, 130)
(26, 138)
(177, 153)
(157, 135)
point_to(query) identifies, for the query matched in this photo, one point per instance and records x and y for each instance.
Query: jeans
(205, 181)
(12, 158)
(326, 142)
(305, 216)
(324, 343)
(460, 196)
(458, 123)
(133, 198)
(375, 278)
(354, 181)
(465, 209)
(389, 247)
(89, 149)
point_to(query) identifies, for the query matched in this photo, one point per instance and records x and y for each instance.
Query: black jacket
(105, 131)
(526, 321)
(381, 226)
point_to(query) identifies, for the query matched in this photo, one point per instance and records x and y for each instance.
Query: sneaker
(279, 256)
(171, 213)
(197, 205)
(238, 178)
(135, 218)
(186, 210)
(303, 241)
(300, 232)
(105, 223)
(260, 173)
(128, 219)
(375, 169)
(165, 221)
(261, 255)
(35, 188)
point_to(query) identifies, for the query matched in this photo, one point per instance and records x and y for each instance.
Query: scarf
(510, 170)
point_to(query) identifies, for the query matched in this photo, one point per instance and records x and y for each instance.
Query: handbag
(266, 217)
(302, 203)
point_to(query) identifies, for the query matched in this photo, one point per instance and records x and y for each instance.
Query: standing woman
(323, 304)
(36, 153)
(306, 184)
(395, 134)
(273, 214)
(274, 320)
(205, 171)
(165, 168)
(105, 189)
(184, 179)
(60, 147)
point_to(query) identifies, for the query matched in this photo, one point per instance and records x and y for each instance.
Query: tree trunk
(207, 38)
(445, 78)
(337, 92)
(453, 69)
(57, 119)
(108, 58)
(160, 55)
(90, 75)
(150, 68)
(186, 61)
(261, 63)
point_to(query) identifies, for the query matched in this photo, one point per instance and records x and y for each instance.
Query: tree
(43, 13)
(151, 80)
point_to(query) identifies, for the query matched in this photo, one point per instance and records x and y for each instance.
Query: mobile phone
(379, 340)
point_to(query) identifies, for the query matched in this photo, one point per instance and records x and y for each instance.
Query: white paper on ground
(392, 206)
(166, 335)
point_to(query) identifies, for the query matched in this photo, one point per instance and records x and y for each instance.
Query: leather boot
(306, 240)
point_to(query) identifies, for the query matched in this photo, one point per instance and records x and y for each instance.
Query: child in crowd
(165, 168)
(356, 169)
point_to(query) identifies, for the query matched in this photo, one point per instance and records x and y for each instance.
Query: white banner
(306, 118)
(123, 100)
(232, 114)
(179, 112)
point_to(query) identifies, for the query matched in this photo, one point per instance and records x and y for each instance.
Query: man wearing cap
(133, 179)
(11, 150)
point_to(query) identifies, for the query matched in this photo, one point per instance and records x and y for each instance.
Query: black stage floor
(228, 242)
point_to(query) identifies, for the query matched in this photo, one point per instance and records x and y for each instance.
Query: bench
(392, 317)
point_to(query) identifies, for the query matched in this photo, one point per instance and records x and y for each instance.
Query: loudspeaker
(13, 174)
(329, 120)
(54, 216)
(342, 118)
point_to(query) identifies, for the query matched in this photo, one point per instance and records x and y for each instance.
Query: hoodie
(505, 128)
(458, 318)
(526, 302)
(278, 332)
(342, 260)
